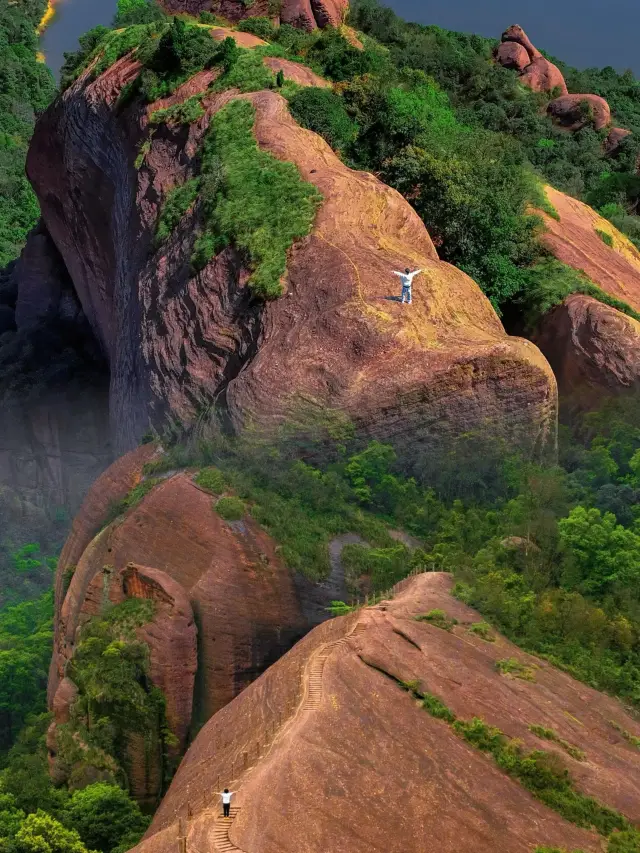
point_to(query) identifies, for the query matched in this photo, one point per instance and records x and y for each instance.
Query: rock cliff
(226, 606)
(178, 341)
(328, 734)
(592, 348)
(305, 14)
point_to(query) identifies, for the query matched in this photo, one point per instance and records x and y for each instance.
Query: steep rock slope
(591, 346)
(573, 238)
(327, 735)
(225, 605)
(176, 341)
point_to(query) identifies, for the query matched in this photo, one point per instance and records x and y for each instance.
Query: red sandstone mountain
(177, 341)
(174, 549)
(306, 14)
(327, 735)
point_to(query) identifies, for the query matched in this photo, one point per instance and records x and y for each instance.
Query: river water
(72, 19)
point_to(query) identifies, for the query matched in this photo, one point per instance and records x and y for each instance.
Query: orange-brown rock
(575, 111)
(177, 341)
(510, 54)
(328, 735)
(306, 14)
(614, 140)
(536, 72)
(573, 238)
(592, 348)
(297, 72)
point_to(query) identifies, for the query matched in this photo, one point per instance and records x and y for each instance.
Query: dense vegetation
(26, 87)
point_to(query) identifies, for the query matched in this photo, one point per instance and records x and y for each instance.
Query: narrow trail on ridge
(310, 701)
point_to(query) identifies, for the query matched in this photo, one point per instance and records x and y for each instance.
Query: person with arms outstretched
(406, 278)
(226, 801)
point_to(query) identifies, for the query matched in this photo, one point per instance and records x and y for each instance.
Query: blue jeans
(406, 293)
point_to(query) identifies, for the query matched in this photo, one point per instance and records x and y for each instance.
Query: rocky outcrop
(282, 745)
(575, 237)
(614, 140)
(306, 14)
(176, 341)
(593, 349)
(575, 111)
(174, 548)
(535, 71)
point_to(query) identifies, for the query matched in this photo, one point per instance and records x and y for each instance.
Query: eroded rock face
(575, 111)
(176, 341)
(614, 140)
(174, 545)
(306, 791)
(536, 72)
(592, 348)
(305, 14)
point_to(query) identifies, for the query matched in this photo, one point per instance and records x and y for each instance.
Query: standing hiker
(406, 278)
(226, 801)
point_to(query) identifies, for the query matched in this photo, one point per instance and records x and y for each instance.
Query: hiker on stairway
(226, 801)
(406, 278)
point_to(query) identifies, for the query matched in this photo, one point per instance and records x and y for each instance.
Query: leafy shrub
(482, 630)
(512, 666)
(211, 479)
(605, 237)
(230, 508)
(263, 205)
(246, 71)
(438, 618)
(175, 206)
(187, 112)
(322, 111)
(259, 26)
(549, 734)
(632, 739)
(138, 12)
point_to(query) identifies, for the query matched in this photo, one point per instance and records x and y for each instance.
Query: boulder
(536, 72)
(614, 139)
(512, 55)
(593, 348)
(405, 776)
(575, 111)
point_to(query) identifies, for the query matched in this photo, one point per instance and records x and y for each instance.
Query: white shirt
(407, 278)
(226, 798)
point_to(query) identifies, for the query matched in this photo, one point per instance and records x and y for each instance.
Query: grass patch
(482, 630)
(176, 204)
(231, 508)
(212, 479)
(541, 200)
(513, 668)
(142, 153)
(340, 608)
(185, 113)
(541, 773)
(135, 497)
(262, 205)
(438, 618)
(632, 739)
(549, 734)
(605, 237)
(248, 73)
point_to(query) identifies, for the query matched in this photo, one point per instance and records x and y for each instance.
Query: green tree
(104, 815)
(41, 833)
